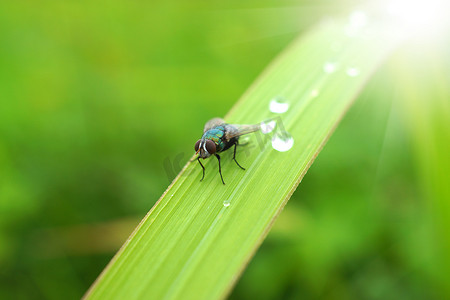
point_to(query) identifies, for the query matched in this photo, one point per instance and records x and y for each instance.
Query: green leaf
(191, 245)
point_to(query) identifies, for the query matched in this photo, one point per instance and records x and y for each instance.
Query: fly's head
(205, 148)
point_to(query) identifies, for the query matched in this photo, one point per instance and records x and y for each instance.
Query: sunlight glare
(420, 18)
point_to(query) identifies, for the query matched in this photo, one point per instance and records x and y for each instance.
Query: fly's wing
(213, 123)
(235, 130)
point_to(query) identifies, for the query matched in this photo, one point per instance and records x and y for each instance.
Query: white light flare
(420, 18)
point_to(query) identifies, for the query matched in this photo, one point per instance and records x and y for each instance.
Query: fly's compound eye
(210, 146)
(197, 145)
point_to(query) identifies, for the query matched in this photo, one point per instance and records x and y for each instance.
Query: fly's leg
(198, 158)
(220, 168)
(234, 156)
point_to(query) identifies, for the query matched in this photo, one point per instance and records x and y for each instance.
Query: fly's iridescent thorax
(215, 134)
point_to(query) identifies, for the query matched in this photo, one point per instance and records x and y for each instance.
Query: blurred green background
(102, 102)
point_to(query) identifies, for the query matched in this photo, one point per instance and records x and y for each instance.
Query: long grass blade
(198, 238)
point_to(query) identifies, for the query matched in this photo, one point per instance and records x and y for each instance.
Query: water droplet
(226, 203)
(314, 93)
(352, 71)
(268, 126)
(282, 141)
(329, 67)
(357, 21)
(278, 105)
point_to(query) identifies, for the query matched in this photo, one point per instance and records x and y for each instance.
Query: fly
(218, 137)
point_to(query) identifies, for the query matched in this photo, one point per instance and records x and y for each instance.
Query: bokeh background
(102, 102)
